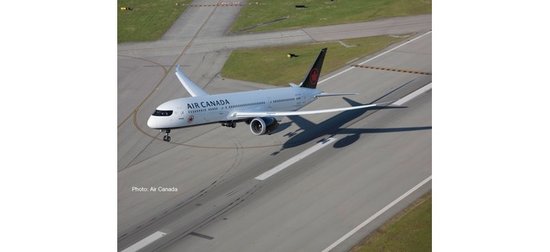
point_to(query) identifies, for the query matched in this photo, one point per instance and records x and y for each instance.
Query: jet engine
(263, 125)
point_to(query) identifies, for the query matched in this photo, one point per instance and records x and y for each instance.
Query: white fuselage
(191, 111)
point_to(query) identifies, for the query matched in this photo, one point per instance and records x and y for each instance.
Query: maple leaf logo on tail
(314, 75)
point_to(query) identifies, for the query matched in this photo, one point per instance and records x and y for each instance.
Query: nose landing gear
(166, 137)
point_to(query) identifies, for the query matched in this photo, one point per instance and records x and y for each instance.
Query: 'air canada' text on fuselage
(206, 104)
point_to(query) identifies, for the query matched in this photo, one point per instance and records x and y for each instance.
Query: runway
(219, 205)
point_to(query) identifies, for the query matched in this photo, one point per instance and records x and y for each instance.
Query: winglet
(313, 75)
(189, 85)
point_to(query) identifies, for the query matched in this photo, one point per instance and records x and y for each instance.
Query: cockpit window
(162, 112)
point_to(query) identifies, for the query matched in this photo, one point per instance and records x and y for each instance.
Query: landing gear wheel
(166, 137)
(229, 124)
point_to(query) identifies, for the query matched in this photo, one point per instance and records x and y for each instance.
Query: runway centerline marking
(374, 216)
(295, 159)
(145, 241)
(375, 57)
(413, 95)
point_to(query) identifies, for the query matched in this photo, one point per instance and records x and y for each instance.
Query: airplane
(258, 108)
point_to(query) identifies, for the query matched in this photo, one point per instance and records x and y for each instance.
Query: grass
(148, 20)
(410, 230)
(272, 66)
(270, 15)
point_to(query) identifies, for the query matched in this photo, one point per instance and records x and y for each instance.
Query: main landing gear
(166, 137)
(231, 124)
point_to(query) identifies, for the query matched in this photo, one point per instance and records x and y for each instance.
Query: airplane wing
(189, 85)
(334, 94)
(310, 112)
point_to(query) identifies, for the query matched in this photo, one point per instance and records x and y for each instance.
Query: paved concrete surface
(377, 157)
(398, 25)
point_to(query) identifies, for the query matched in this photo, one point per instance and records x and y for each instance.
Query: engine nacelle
(263, 125)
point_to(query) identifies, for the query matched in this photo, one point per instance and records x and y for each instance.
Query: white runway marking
(144, 242)
(379, 55)
(413, 95)
(353, 231)
(295, 159)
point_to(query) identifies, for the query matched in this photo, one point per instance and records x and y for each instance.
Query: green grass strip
(410, 230)
(272, 65)
(268, 15)
(148, 19)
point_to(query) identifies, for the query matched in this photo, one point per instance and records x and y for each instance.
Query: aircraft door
(300, 101)
(269, 102)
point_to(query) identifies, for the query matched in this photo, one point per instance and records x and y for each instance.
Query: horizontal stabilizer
(189, 85)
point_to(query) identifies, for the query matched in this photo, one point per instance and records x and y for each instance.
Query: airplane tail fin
(313, 76)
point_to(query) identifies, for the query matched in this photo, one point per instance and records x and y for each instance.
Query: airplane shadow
(281, 127)
(333, 126)
(356, 133)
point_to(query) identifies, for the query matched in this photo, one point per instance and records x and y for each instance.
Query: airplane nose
(152, 122)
